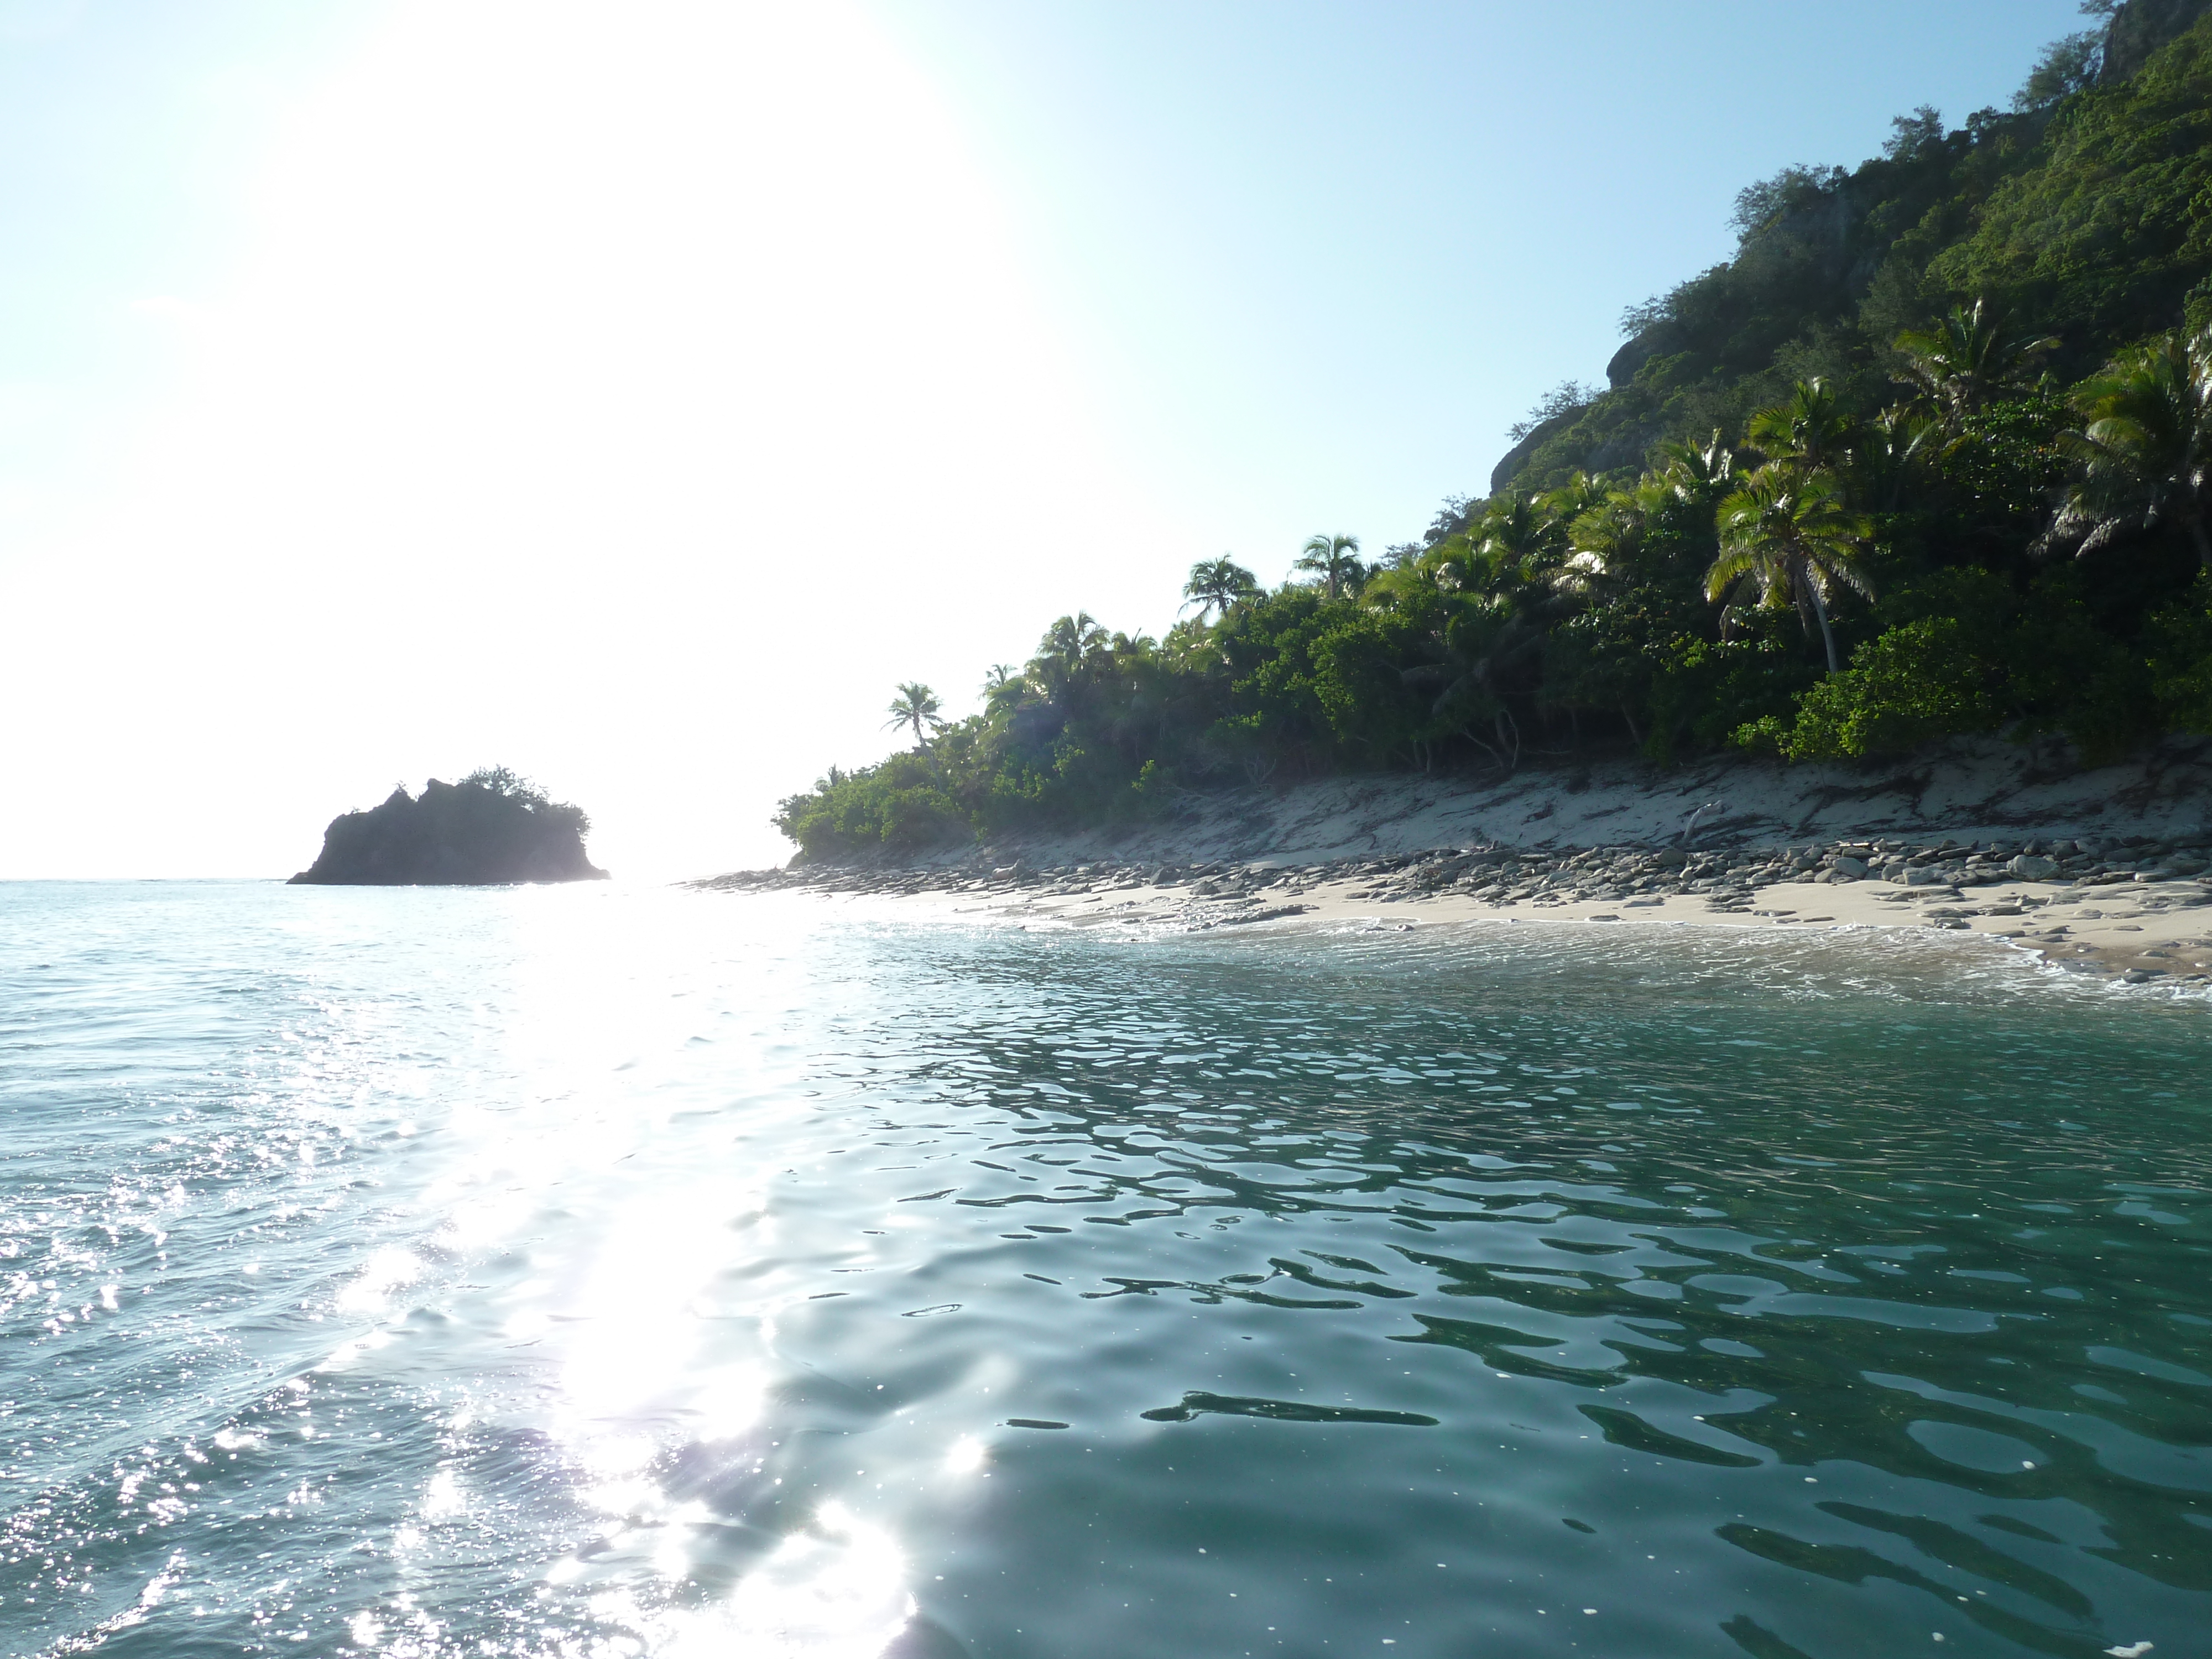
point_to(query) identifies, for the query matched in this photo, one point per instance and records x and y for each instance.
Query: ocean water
(609, 1272)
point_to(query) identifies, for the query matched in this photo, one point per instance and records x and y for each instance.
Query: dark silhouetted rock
(453, 834)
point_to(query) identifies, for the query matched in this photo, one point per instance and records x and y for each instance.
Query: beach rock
(454, 835)
(2028, 866)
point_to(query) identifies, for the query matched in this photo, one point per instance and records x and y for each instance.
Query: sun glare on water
(645, 1323)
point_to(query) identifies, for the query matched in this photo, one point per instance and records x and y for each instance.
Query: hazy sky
(632, 394)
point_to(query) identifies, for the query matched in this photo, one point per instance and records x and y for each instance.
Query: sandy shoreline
(2105, 871)
(2143, 932)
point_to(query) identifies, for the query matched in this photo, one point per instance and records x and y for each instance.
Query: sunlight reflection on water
(706, 1274)
(835, 1590)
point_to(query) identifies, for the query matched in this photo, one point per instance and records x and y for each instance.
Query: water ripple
(539, 1272)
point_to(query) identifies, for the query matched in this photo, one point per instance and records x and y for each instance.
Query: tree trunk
(1486, 749)
(1827, 633)
(2203, 544)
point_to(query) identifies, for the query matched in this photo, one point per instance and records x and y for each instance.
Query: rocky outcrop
(1517, 456)
(1640, 349)
(2139, 28)
(455, 835)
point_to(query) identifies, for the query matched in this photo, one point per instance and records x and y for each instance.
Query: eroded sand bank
(2107, 870)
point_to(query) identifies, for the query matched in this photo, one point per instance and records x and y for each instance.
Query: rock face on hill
(452, 835)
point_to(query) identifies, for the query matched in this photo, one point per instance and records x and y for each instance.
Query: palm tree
(1516, 536)
(1604, 541)
(1335, 559)
(2145, 445)
(1407, 585)
(1695, 472)
(1217, 584)
(1067, 649)
(1894, 445)
(1568, 502)
(1002, 686)
(1787, 538)
(1069, 640)
(1806, 428)
(1964, 359)
(915, 706)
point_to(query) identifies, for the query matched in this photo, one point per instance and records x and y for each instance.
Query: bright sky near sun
(632, 394)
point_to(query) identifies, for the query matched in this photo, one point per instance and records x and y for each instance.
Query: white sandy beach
(2115, 930)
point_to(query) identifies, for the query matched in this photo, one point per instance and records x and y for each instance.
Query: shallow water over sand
(614, 1272)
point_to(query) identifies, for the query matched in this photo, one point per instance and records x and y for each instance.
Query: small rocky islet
(492, 829)
(1934, 885)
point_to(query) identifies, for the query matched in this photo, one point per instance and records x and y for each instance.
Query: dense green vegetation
(1930, 455)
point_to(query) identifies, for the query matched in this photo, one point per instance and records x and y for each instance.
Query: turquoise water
(603, 1273)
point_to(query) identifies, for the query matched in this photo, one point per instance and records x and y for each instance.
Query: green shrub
(2180, 640)
(2065, 673)
(1705, 691)
(899, 806)
(1904, 688)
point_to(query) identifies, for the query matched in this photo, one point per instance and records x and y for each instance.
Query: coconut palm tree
(915, 706)
(1407, 585)
(1964, 359)
(1217, 584)
(1002, 686)
(1895, 446)
(1335, 559)
(1787, 538)
(1065, 655)
(1516, 537)
(1697, 471)
(1069, 641)
(2145, 445)
(1571, 500)
(1604, 541)
(1806, 428)
(1455, 564)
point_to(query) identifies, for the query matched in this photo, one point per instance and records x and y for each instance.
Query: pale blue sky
(633, 394)
(129, 136)
(1357, 241)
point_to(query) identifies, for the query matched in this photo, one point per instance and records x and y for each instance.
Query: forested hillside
(1931, 454)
